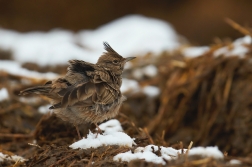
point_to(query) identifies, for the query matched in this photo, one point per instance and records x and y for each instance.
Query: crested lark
(88, 92)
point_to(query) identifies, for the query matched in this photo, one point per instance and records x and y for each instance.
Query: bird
(88, 92)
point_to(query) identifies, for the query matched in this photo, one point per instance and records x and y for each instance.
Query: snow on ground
(237, 48)
(44, 109)
(129, 85)
(149, 71)
(4, 94)
(213, 152)
(112, 135)
(15, 68)
(133, 86)
(147, 153)
(58, 46)
(168, 153)
(133, 34)
(195, 51)
(234, 162)
(151, 91)
(14, 158)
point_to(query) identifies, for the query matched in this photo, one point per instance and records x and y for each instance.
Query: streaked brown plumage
(88, 92)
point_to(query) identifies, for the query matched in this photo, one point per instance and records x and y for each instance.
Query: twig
(238, 27)
(189, 147)
(159, 116)
(201, 161)
(17, 163)
(148, 135)
(71, 164)
(163, 135)
(36, 145)
(10, 108)
(181, 146)
(61, 160)
(187, 151)
(91, 160)
(16, 135)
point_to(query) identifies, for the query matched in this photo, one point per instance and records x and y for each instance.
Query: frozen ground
(114, 135)
(3, 94)
(14, 158)
(237, 48)
(15, 68)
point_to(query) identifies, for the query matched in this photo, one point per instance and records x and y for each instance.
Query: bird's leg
(77, 129)
(99, 130)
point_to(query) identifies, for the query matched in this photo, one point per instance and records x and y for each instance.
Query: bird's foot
(99, 131)
(78, 131)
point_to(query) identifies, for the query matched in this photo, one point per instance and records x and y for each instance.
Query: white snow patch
(44, 109)
(14, 158)
(111, 136)
(213, 152)
(149, 71)
(129, 85)
(58, 46)
(151, 91)
(133, 34)
(168, 153)
(147, 153)
(15, 68)
(195, 51)
(53, 47)
(111, 126)
(137, 73)
(237, 49)
(234, 162)
(133, 86)
(4, 95)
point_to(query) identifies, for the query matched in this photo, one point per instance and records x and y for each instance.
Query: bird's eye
(115, 61)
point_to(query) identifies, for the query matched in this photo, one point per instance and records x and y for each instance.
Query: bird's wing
(98, 76)
(90, 85)
(77, 71)
(75, 94)
(80, 66)
(81, 71)
(88, 94)
(103, 76)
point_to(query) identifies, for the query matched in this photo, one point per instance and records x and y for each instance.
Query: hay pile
(207, 100)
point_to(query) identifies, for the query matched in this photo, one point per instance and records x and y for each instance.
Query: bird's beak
(128, 59)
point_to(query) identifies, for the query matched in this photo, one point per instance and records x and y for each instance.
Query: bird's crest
(110, 50)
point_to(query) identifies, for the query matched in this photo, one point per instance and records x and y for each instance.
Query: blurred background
(199, 21)
(191, 80)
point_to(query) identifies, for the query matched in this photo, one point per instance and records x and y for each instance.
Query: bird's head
(112, 61)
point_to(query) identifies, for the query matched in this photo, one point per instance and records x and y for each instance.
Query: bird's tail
(40, 90)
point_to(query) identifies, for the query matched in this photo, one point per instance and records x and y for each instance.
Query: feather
(108, 48)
